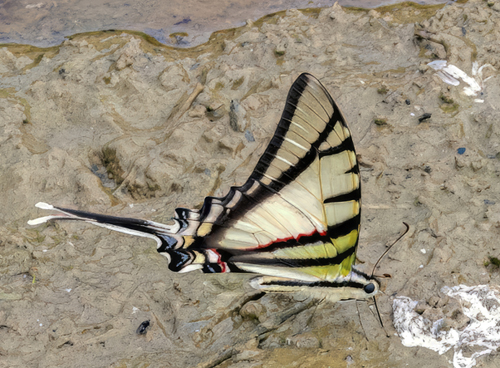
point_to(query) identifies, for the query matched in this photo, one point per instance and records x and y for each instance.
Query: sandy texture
(113, 123)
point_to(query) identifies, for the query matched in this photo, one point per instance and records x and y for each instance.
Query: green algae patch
(448, 105)
(34, 145)
(409, 12)
(218, 86)
(237, 83)
(101, 35)
(382, 90)
(448, 109)
(446, 99)
(110, 161)
(495, 261)
(7, 92)
(492, 261)
(178, 34)
(380, 121)
(27, 109)
(36, 54)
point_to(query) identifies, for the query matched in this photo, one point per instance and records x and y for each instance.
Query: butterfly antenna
(373, 271)
(380, 317)
(390, 247)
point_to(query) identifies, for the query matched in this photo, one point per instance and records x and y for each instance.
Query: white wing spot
(300, 126)
(284, 160)
(269, 177)
(296, 144)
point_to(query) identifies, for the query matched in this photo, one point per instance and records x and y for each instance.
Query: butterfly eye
(370, 288)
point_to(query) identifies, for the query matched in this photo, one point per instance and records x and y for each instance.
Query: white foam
(451, 74)
(481, 336)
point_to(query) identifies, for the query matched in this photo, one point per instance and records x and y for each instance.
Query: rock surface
(110, 122)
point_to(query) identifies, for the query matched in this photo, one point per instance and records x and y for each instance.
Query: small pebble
(424, 117)
(249, 136)
(143, 327)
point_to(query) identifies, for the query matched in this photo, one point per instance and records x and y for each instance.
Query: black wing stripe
(345, 227)
(320, 284)
(346, 145)
(293, 262)
(351, 196)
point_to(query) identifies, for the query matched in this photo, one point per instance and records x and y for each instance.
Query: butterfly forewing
(298, 214)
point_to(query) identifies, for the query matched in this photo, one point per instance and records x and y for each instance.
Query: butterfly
(295, 222)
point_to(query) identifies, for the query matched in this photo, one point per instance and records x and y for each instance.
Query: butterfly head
(360, 286)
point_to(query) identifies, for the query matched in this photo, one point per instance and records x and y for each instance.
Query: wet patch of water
(180, 23)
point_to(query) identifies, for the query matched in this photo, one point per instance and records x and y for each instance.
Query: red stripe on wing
(297, 238)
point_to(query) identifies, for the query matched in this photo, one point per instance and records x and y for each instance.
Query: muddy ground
(117, 123)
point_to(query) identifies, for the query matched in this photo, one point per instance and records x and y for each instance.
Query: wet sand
(106, 122)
